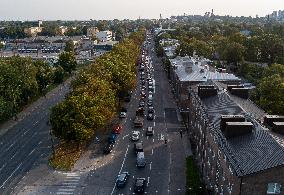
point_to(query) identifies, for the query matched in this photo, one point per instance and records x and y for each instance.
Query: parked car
(138, 147)
(112, 138)
(122, 179)
(150, 116)
(135, 135)
(127, 98)
(122, 115)
(108, 148)
(140, 185)
(150, 131)
(117, 129)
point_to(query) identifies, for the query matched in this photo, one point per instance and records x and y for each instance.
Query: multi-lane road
(28, 143)
(158, 170)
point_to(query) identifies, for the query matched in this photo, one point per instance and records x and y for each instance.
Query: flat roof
(199, 72)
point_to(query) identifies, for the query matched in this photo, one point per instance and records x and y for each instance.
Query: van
(140, 160)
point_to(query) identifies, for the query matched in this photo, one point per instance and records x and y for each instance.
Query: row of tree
(22, 80)
(94, 98)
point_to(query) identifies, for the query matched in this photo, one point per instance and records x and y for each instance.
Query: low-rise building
(104, 36)
(33, 31)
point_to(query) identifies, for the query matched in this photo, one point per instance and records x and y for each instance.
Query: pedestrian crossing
(69, 184)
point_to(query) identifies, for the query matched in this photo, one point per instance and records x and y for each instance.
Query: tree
(270, 92)
(67, 61)
(234, 52)
(69, 47)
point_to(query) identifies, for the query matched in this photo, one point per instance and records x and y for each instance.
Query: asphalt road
(27, 142)
(158, 156)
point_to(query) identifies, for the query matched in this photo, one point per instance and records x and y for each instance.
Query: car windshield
(121, 177)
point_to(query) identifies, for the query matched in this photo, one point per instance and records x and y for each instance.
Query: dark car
(122, 179)
(112, 138)
(151, 110)
(127, 98)
(140, 185)
(150, 116)
(108, 148)
(138, 147)
(150, 102)
(141, 104)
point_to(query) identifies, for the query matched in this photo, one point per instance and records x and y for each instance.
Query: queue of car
(145, 71)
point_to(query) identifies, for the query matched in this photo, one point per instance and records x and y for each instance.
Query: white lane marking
(124, 159)
(3, 166)
(31, 151)
(64, 193)
(26, 132)
(11, 175)
(147, 137)
(67, 183)
(14, 155)
(148, 181)
(150, 165)
(152, 151)
(39, 142)
(153, 140)
(154, 123)
(69, 186)
(125, 136)
(73, 177)
(67, 190)
(120, 168)
(9, 146)
(71, 180)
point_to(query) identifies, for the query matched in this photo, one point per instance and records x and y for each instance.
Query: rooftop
(198, 70)
(247, 154)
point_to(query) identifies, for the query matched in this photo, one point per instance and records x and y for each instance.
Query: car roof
(140, 181)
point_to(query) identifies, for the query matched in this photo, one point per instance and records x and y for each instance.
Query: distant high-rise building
(39, 23)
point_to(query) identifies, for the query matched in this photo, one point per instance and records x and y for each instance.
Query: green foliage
(193, 181)
(67, 61)
(200, 47)
(93, 100)
(69, 47)
(270, 92)
(251, 72)
(21, 80)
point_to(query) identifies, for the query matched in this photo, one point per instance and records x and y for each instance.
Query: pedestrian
(166, 141)
(180, 132)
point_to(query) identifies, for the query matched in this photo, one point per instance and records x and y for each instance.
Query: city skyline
(126, 9)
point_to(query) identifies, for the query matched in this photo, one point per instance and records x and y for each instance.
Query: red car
(117, 129)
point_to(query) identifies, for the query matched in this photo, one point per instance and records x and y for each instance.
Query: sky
(130, 9)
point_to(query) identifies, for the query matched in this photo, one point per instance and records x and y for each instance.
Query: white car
(135, 135)
(122, 115)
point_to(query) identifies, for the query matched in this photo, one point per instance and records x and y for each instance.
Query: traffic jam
(143, 111)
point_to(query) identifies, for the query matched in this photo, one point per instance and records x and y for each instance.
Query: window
(273, 188)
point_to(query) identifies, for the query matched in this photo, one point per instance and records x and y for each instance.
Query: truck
(139, 118)
(138, 121)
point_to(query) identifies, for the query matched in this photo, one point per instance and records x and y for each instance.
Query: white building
(104, 36)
